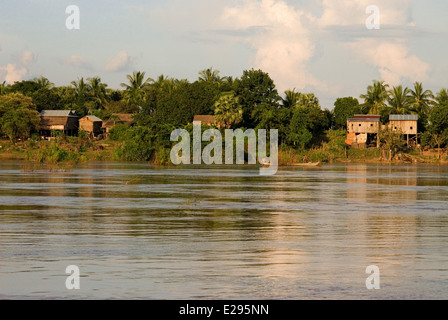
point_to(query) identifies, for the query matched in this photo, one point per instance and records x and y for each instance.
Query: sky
(318, 46)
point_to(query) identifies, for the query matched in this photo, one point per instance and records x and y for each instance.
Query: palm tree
(97, 91)
(81, 89)
(442, 96)
(135, 91)
(228, 110)
(165, 84)
(291, 98)
(44, 83)
(375, 98)
(421, 101)
(399, 100)
(3, 86)
(210, 75)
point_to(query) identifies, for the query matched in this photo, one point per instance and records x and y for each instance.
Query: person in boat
(305, 159)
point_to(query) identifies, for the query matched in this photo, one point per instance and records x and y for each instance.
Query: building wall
(86, 125)
(363, 126)
(407, 126)
(90, 126)
(68, 123)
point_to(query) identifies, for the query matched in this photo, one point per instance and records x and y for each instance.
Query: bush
(120, 132)
(53, 154)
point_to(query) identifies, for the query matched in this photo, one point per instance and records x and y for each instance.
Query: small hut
(65, 121)
(117, 118)
(407, 124)
(91, 124)
(362, 130)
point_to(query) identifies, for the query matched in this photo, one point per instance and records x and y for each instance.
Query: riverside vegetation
(251, 101)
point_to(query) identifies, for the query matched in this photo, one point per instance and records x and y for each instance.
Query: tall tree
(438, 123)
(3, 87)
(291, 98)
(44, 83)
(375, 98)
(18, 116)
(135, 91)
(228, 110)
(97, 92)
(81, 89)
(345, 108)
(442, 96)
(421, 102)
(399, 100)
(256, 90)
(210, 75)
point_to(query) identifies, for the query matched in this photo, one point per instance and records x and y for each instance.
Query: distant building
(363, 130)
(117, 118)
(407, 124)
(207, 120)
(91, 124)
(65, 121)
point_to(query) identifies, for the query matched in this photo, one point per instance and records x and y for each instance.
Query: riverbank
(73, 150)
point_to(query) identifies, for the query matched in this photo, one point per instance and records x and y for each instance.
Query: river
(141, 232)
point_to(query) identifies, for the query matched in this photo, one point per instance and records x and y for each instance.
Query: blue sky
(320, 46)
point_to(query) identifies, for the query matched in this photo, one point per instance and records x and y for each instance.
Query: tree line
(249, 101)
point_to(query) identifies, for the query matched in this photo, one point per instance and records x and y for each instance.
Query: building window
(359, 124)
(411, 128)
(395, 128)
(371, 124)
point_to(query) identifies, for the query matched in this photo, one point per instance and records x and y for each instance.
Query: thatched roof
(125, 117)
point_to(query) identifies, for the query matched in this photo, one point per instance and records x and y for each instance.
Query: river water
(142, 232)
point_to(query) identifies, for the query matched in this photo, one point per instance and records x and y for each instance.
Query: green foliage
(135, 90)
(392, 140)
(375, 98)
(228, 111)
(53, 154)
(426, 140)
(26, 87)
(345, 108)
(18, 116)
(120, 132)
(255, 88)
(139, 143)
(178, 105)
(46, 99)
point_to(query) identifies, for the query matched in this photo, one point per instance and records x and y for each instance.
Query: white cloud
(120, 62)
(286, 37)
(393, 60)
(283, 42)
(12, 73)
(27, 57)
(78, 62)
(353, 12)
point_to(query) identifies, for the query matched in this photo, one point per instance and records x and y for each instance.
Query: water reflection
(141, 231)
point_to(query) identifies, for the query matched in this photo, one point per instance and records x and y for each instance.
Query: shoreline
(62, 153)
(22, 158)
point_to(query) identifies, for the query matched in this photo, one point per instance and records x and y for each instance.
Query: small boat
(306, 164)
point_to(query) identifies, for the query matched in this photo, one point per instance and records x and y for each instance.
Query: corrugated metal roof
(403, 117)
(366, 116)
(58, 113)
(94, 118)
(363, 119)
